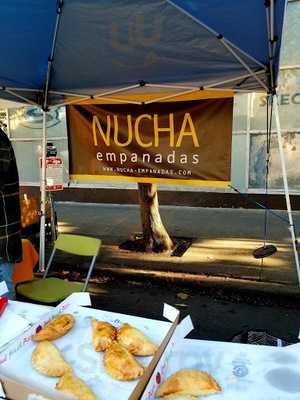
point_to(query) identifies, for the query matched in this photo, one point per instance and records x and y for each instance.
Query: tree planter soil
(138, 245)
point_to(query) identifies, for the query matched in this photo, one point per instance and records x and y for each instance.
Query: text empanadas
(71, 384)
(189, 381)
(135, 341)
(120, 364)
(47, 359)
(56, 328)
(103, 334)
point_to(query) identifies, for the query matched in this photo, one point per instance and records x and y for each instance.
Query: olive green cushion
(49, 290)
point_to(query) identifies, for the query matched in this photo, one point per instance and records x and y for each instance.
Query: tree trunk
(155, 236)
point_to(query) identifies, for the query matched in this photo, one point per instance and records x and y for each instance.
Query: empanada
(47, 359)
(189, 381)
(120, 364)
(55, 328)
(103, 334)
(71, 384)
(135, 341)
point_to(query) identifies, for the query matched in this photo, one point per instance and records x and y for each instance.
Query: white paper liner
(11, 325)
(77, 349)
(31, 312)
(245, 372)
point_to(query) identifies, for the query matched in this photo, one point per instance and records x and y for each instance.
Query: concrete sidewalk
(223, 241)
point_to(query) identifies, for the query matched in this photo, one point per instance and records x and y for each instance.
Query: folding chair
(53, 290)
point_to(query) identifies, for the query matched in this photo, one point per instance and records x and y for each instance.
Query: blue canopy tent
(56, 48)
(57, 52)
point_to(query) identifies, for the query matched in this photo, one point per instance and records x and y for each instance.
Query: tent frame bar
(217, 34)
(270, 47)
(187, 89)
(97, 96)
(246, 66)
(230, 89)
(81, 97)
(124, 89)
(45, 109)
(234, 79)
(285, 185)
(43, 196)
(167, 86)
(23, 89)
(51, 57)
(172, 96)
(229, 80)
(271, 39)
(18, 96)
(156, 100)
(272, 20)
(68, 93)
(227, 44)
(70, 102)
(118, 100)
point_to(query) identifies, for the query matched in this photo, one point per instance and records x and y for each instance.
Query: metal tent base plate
(264, 251)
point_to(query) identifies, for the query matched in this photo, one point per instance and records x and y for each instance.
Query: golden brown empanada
(120, 364)
(71, 384)
(103, 334)
(135, 341)
(47, 359)
(55, 328)
(189, 381)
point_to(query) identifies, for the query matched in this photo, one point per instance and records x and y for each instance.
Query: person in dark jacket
(10, 224)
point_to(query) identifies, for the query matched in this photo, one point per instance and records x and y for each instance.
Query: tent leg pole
(285, 184)
(43, 197)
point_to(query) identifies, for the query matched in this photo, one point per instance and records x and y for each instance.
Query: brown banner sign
(186, 142)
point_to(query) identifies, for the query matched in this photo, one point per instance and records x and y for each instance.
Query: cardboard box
(244, 372)
(161, 370)
(77, 349)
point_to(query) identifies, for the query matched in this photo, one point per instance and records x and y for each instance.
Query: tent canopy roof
(56, 49)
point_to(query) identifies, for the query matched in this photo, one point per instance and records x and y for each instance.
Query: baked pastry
(120, 364)
(71, 384)
(135, 341)
(47, 359)
(103, 334)
(189, 381)
(56, 328)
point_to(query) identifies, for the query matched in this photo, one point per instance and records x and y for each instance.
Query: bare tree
(155, 236)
